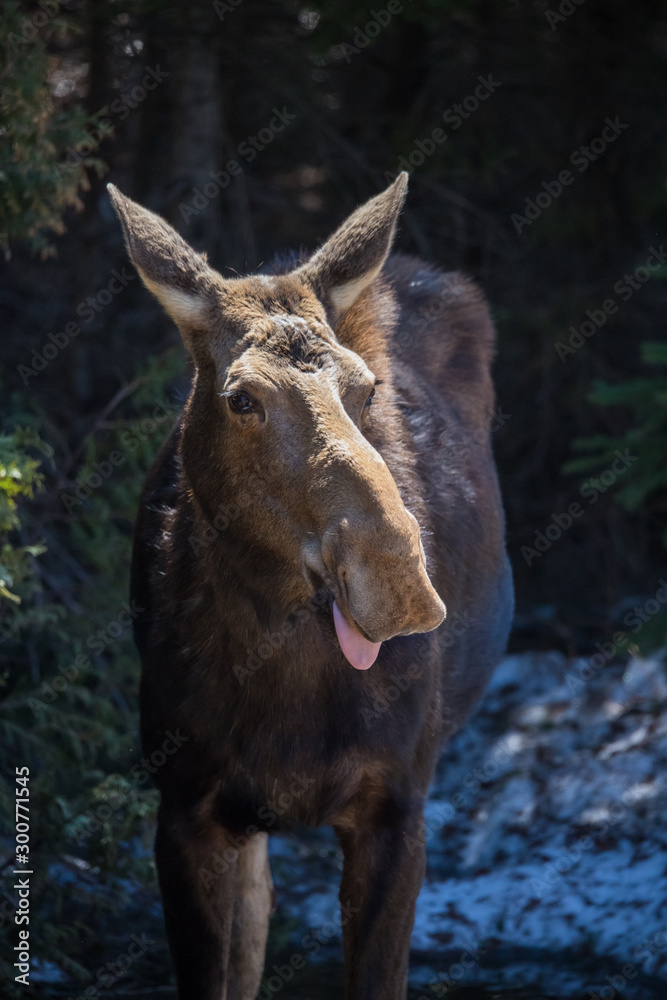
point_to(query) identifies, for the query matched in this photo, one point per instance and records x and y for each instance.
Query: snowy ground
(547, 840)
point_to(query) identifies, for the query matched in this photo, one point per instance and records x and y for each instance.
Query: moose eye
(368, 402)
(240, 402)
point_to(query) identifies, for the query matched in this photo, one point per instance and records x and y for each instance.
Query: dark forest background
(160, 97)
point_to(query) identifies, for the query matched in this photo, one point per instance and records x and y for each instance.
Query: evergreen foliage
(69, 682)
(47, 142)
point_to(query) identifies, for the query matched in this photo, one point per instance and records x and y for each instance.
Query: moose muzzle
(374, 566)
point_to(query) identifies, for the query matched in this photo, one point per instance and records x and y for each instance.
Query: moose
(340, 409)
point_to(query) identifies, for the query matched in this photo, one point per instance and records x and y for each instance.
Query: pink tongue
(359, 651)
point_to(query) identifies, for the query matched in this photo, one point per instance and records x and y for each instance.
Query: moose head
(292, 384)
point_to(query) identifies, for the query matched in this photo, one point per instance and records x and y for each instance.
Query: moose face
(282, 414)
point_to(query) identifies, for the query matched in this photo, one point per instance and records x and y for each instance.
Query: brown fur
(251, 525)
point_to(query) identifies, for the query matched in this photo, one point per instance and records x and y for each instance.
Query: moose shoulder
(328, 486)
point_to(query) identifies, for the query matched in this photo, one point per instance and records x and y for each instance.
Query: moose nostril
(314, 568)
(342, 579)
(313, 579)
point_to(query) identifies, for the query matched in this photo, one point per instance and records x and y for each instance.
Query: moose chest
(295, 739)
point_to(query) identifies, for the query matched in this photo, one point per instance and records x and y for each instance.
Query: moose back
(328, 486)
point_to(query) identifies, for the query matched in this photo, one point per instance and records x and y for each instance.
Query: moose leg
(197, 868)
(384, 864)
(250, 923)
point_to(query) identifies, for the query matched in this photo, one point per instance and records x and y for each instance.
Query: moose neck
(246, 569)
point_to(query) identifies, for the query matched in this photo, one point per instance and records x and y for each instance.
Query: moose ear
(351, 258)
(177, 275)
